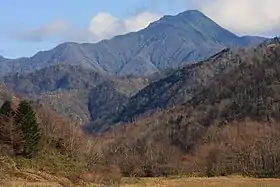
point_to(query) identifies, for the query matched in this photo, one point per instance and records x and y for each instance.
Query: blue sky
(27, 26)
(18, 14)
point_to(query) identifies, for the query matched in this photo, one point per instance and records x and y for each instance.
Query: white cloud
(104, 25)
(252, 17)
(49, 30)
(245, 16)
(140, 21)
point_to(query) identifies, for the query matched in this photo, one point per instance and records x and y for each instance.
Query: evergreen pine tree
(27, 123)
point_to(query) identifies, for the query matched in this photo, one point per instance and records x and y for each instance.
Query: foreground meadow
(206, 182)
(32, 180)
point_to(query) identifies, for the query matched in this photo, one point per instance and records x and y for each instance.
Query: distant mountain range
(103, 83)
(168, 43)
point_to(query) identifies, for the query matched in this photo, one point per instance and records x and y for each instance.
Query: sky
(29, 26)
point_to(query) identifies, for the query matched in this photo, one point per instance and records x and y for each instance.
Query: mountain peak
(186, 14)
(191, 12)
(67, 45)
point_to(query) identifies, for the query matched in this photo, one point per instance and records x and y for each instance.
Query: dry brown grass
(29, 179)
(206, 182)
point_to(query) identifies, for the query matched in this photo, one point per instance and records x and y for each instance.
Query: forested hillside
(69, 90)
(230, 126)
(188, 82)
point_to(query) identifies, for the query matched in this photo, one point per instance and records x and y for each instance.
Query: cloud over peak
(102, 26)
(253, 17)
(244, 17)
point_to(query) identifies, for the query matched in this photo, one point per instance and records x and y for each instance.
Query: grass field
(206, 182)
(32, 180)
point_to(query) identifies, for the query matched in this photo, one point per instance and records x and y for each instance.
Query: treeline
(240, 148)
(248, 149)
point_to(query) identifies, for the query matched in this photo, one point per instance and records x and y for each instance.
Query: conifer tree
(26, 120)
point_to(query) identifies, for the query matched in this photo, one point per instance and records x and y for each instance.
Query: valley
(74, 72)
(182, 97)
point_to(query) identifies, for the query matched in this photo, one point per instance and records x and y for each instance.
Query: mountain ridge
(184, 84)
(227, 119)
(170, 42)
(68, 90)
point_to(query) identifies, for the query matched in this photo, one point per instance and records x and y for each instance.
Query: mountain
(252, 39)
(249, 91)
(230, 126)
(54, 78)
(63, 88)
(72, 104)
(74, 91)
(178, 87)
(184, 84)
(8, 66)
(170, 42)
(104, 102)
(92, 104)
